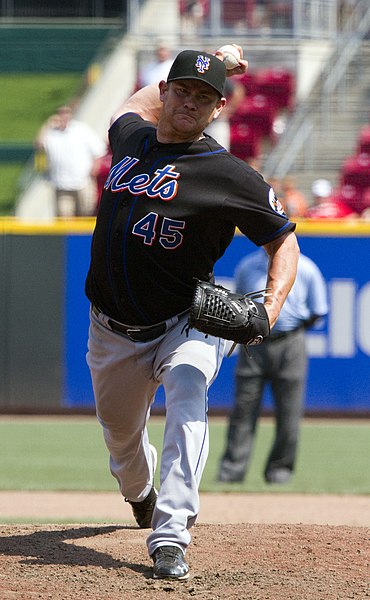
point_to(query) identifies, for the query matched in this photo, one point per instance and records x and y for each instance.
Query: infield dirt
(297, 560)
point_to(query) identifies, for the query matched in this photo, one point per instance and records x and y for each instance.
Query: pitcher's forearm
(283, 256)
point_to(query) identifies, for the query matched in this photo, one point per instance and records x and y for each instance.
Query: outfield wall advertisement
(339, 351)
(44, 318)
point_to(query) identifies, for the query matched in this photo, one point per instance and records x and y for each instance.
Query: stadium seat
(244, 141)
(257, 112)
(277, 84)
(356, 170)
(349, 195)
(236, 13)
(248, 81)
(280, 14)
(329, 208)
(366, 198)
(364, 140)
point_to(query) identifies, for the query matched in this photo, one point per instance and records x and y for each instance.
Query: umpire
(282, 361)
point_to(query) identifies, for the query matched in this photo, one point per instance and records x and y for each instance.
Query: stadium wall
(50, 49)
(44, 319)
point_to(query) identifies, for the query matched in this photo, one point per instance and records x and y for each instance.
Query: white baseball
(231, 56)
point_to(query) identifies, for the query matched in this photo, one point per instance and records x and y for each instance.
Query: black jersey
(167, 214)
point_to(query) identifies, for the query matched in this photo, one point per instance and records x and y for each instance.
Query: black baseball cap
(196, 64)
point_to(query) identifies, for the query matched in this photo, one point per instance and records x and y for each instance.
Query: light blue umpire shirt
(306, 299)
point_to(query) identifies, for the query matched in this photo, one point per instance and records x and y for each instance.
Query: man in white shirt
(73, 151)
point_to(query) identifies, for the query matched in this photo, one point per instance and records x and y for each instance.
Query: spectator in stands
(260, 15)
(345, 11)
(276, 184)
(192, 16)
(351, 196)
(158, 69)
(238, 15)
(219, 129)
(293, 200)
(102, 174)
(325, 206)
(73, 151)
(279, 14)
(256, 163)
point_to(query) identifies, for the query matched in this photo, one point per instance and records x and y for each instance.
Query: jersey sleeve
(124, 127)
(254, 208)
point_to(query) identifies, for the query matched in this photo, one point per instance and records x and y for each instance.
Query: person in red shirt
(102, 174)
(324, 204)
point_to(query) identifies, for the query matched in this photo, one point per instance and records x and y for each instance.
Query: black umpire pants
(282, 362)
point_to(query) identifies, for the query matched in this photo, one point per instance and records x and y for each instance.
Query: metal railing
(298, 19)
(300, 129)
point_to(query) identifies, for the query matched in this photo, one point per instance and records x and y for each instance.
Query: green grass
(69, 454)
(9, 176)
(29, 99)
(332, 458)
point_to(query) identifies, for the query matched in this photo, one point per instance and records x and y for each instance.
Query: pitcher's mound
(241, 562)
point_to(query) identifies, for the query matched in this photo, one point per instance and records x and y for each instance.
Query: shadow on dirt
(54, 547)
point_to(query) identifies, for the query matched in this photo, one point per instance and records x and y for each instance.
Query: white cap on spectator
(321, 188)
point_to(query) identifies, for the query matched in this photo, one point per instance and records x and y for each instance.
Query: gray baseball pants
(125, 377)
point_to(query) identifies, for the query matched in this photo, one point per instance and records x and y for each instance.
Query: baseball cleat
(169, 563)
(278, 475)
(143, 511)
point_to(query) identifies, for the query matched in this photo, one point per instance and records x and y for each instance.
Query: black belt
(136, 334)
(282, 334)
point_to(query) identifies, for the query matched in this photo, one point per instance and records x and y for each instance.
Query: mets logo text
(162, 184)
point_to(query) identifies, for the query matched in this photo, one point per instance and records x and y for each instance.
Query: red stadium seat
(364, 140)
(278, 85)
(329, 209)
(366, 198)
(349, 195)
(103, 171)
(248, 81)
(236, 13)
(244, 142)
(356, 170)
(257, 112)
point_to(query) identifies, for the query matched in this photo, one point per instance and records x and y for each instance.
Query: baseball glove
(217, 311)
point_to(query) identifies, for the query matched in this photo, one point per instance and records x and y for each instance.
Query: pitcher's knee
(186, 386)
(122, 423)
(190, 379)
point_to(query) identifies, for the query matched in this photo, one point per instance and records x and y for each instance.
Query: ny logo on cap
(202, 63)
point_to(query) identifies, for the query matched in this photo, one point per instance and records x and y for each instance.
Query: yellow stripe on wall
(85, 225)
(75, 225)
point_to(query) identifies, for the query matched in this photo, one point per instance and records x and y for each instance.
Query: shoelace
(170, 551)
